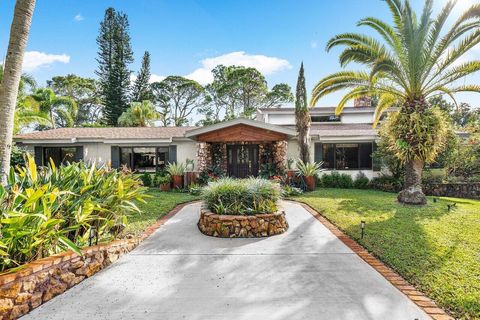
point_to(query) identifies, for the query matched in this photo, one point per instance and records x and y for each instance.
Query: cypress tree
(114, 55)
(141, 88)
(302, 117)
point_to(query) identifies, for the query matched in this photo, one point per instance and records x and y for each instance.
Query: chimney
(364, 101)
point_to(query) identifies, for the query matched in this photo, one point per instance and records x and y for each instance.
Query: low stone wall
(43, 279)
(469, 190)
(242, 226)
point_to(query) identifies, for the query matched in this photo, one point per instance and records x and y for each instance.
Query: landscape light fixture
(362, 225)
(93, 233)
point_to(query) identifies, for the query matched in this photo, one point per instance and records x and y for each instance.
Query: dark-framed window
(345, 156)
(144, 159)
(329, 118)
(61, 155)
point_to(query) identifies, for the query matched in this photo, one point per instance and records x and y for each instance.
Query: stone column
(280, 155)
(202, 156)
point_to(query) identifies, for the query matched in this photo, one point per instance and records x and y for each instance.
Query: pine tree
(141, 88)
(302, 117)
(114, 55)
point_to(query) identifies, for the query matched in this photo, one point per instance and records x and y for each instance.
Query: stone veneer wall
(241, 226)
(469, 190)
(41, 280)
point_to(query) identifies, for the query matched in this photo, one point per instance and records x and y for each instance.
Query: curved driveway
(178, 273)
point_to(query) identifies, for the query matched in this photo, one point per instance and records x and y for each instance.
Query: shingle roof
(107, 133)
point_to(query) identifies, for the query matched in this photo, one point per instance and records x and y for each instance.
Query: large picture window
(144, 159)
(59, 155)
(345, 156)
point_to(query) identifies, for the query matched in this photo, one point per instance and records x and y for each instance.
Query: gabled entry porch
(241, 147)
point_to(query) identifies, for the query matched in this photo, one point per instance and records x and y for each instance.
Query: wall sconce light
(362, 225)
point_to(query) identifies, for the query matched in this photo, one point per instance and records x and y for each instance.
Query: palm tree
(25, 114)
(140, 114)
(62, 111)
(302, 117)
(411, 61)
(22, 19)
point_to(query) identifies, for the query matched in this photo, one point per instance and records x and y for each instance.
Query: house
(239, 147)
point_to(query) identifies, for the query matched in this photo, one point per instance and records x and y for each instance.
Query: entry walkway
(178, 273)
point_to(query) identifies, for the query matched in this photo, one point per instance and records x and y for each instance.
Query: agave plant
(409, 62)
(176, 169)
(309, 169)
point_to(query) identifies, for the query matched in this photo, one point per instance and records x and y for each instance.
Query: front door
(242, 160)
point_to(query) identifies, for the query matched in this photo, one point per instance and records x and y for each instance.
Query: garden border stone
(39, 281)
(241, 226)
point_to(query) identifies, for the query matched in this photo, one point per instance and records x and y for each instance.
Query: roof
(253, 123)
(115, 133)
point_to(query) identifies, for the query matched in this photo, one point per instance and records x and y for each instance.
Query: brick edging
(40, 280)
(419, 298)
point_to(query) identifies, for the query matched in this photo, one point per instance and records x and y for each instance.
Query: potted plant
(290, 170)
(163, 181)
(176, 170)
(308, 171)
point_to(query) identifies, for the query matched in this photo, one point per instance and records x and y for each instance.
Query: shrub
(386, 183)
(44, 211)
(336, 180)
(195, 189)
(146, 179)
(210, 174)
(361, 181)
(161, 178)
(242, 196)
(176, 169)
(289, 191)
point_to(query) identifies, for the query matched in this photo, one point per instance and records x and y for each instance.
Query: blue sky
(187, 37)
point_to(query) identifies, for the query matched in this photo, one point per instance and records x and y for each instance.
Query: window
(144, 159)
(330, 118)
(59, 155)
(345, 156)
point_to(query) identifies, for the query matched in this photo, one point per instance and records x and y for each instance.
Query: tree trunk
(303, 129)
(22, 18)
(412, 190)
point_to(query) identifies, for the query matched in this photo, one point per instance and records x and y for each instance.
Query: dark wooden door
(242, 160)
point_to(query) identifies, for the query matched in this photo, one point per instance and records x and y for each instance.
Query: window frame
(359, 167)
(131, 161)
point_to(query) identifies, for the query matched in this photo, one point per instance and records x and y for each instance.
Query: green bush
(361, 181)
(336, 180)
(146, 179)
(161, 178)
(242, 196)
(289, 191)
(47, 210)
(386, 183)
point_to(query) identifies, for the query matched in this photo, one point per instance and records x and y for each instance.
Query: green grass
(156, 207)
(436, 250)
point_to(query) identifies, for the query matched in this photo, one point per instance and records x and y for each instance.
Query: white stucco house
(344, 143)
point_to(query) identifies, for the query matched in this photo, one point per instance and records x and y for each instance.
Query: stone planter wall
(41, 280)
(241, 226)
(469, 190)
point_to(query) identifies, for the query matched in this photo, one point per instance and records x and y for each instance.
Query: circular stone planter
(242, 226)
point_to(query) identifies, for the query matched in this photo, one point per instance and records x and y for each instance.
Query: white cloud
(36, 59)
(79, 18)
(313, 44)
(266, 65)
(156, 78)
(153, 78)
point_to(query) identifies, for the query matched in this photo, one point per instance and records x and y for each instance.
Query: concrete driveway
(178, 273)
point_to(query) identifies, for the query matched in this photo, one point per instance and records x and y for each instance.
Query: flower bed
(242, 208)
(241, 226)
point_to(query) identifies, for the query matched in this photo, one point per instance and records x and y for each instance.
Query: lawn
(435, 249)
(156, 207)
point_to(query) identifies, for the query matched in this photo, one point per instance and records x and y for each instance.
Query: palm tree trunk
(412, 191)
(20, 28)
